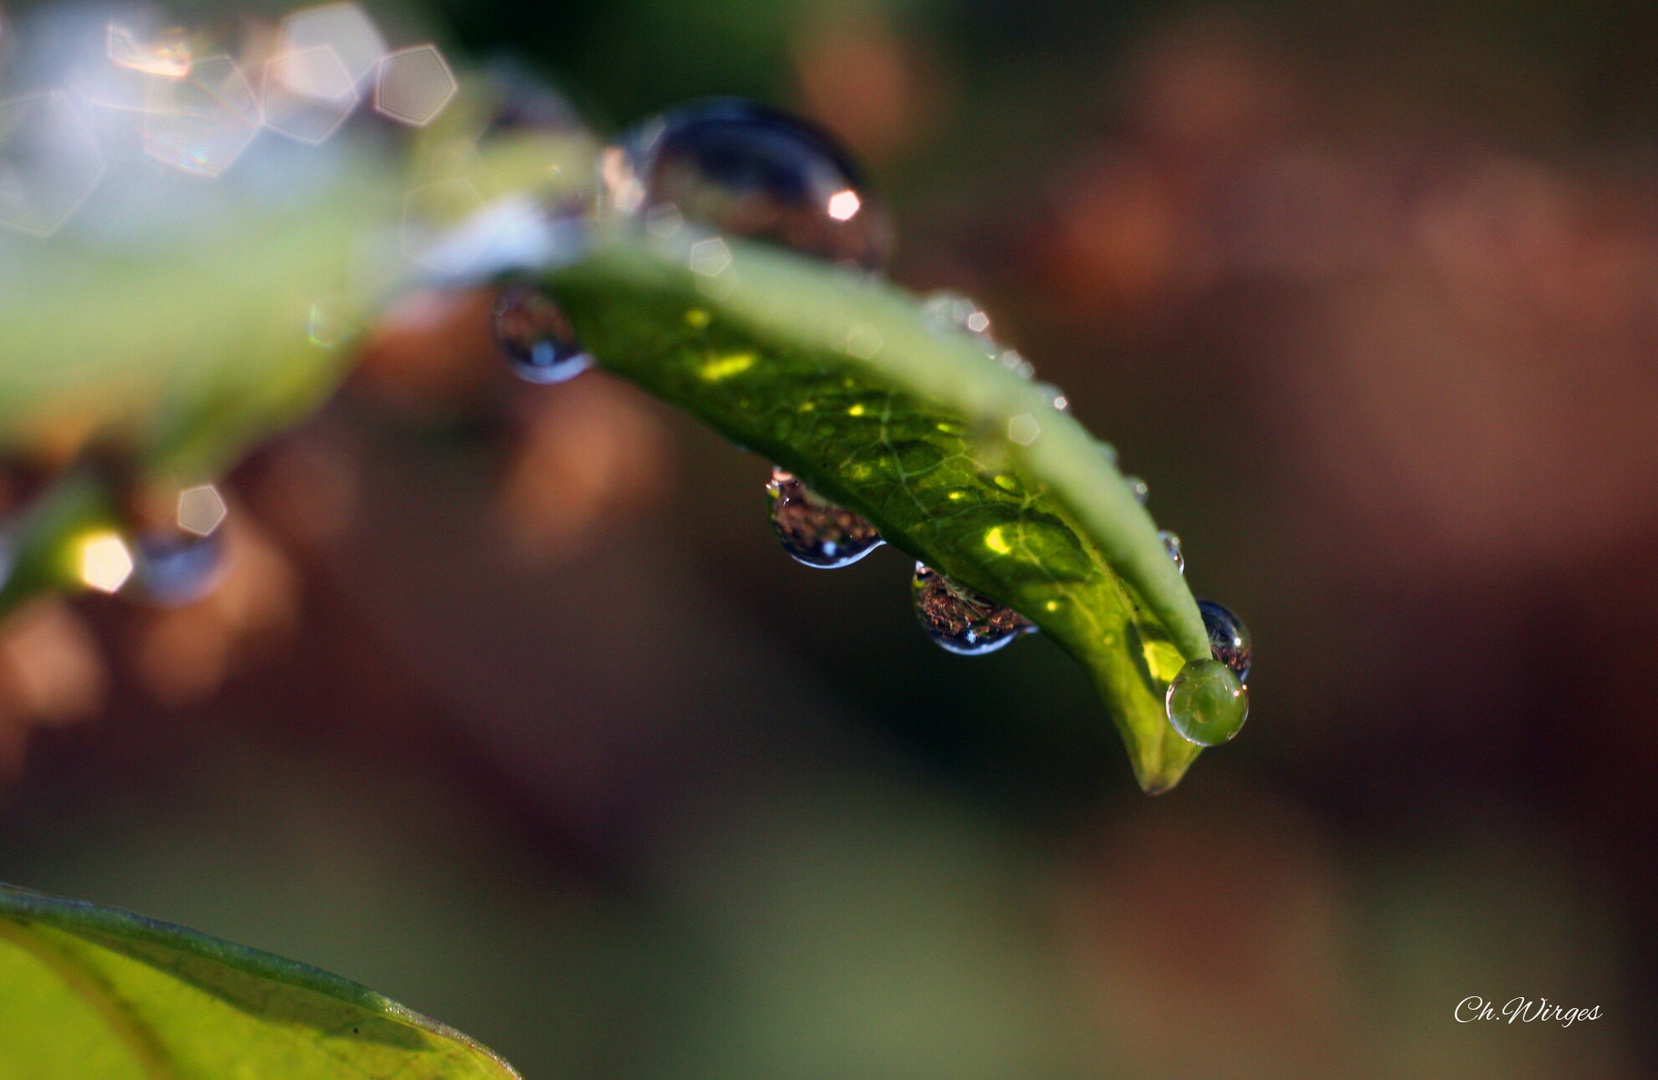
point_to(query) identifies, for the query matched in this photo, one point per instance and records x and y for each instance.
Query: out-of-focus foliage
(92, 991)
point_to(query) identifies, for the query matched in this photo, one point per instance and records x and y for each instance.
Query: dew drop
(750, 171)
(1138, 488)
(1171, 544)
(1206, 703)
(813, 530)
(960, 620)
(1228, 638)
(536, 336)
(175, 568)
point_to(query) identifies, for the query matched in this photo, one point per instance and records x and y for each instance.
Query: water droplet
(1228, 638)
(960, 620)
(1138, 488)
(1108, 452)
(754, 172)
(1171, 544)
(537, 337)
(1206, 703)
(174, 569)
(814, 530)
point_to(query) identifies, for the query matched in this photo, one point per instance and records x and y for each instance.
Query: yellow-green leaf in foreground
(95, 993)
(838, 378)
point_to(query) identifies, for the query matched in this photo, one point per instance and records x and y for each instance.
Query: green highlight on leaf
(837, 378)
(92, 991)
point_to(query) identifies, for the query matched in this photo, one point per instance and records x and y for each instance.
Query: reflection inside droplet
(1206, 703)
(537, 337)
(753, 172)
(813, 530)
(1171, 544)
(1229, 640)
(960, 620)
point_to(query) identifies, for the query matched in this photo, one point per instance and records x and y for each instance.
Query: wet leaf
(92, 991)
(837, 377)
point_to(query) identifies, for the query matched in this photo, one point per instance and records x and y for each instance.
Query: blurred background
(509, 706)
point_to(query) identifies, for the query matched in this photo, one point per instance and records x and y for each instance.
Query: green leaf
(93, 992)
(837, 378)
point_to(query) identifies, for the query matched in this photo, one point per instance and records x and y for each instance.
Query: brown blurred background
(510, 707)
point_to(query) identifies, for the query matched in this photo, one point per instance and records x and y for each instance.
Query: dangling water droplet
(814, 530)
(1171, 544)
(1228, 638)
(537, 337)
(174, 568)
(1206, 703)
(1108, 452)
(960, 620)
(1139, 488)
(751, 171)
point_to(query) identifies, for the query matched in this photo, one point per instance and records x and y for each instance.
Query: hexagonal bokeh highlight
(201, 509)
(202, 123)
(105, 561)
(414, 85)
(49, 162)
(308, 93)
(343, 28)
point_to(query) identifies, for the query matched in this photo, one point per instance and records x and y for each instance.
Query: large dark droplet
(749, 171)
(814, 530)
(536, 336)
(1228, 638)
(960, 620)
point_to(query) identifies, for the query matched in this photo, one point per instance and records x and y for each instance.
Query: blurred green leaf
(838, 378)
(95, 992)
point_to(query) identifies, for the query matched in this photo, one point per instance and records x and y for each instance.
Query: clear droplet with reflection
(750, 171)
(1228, 638)
(1138, 488)
(1206, 703)
(813, 530)
(537, 337)
(960, 620)
(1171, 544)
(176, 568)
